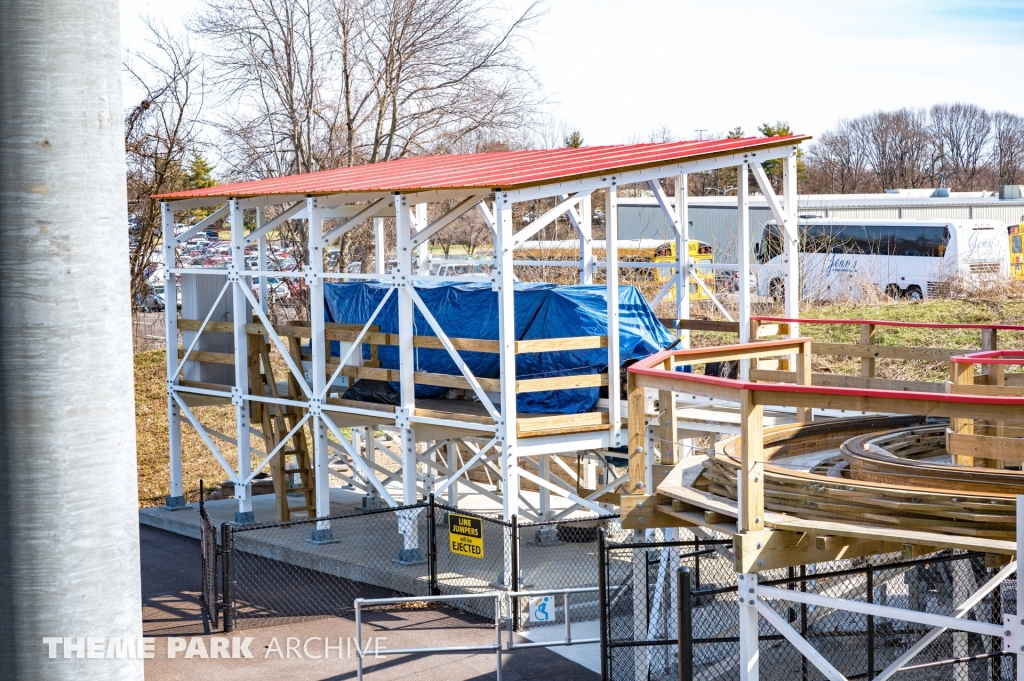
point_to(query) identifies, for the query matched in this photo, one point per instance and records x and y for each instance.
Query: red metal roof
(504, 170)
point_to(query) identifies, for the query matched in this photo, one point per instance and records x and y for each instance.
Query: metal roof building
(713, 218)
(335, 201)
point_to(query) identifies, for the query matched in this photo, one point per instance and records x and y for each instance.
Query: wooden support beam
(987, 447)
(769, 330)
(637, 427)
(534, 385)
(867, 337)
(772, 549)
(670, 451)
(700, 325)
(560, 344)
(750, 475)
(639, 512)
(886, 351)
(716, 518)
(961, 374)
(803, 377)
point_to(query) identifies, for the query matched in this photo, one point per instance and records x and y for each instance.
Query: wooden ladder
(291, 469)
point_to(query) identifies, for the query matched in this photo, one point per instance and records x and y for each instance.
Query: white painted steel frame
(751, 597)
(573, 197)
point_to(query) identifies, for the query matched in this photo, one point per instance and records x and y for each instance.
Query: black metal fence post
(685, 624)
(602, 599)
(514, 581)
(996, 664)
(227, 577)
(871, 623)
(803, 622)
(432, 547)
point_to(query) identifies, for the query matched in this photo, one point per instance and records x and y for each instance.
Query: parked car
(150, 302)
(277, 289)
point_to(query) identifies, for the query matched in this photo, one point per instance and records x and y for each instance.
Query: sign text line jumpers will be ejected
(466, 535)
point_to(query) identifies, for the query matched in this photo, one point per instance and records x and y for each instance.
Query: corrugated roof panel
(505, 170)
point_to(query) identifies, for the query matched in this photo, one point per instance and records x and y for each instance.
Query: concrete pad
(587, 655)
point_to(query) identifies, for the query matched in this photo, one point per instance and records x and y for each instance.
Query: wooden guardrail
(374, 338)
(658, 372)
(868, 350)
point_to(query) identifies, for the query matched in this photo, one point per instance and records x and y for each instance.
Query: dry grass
(151, 435)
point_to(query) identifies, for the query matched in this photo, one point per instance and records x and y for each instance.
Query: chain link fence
(641, 622)
(280, 572)
(208, 592)
(562, 554)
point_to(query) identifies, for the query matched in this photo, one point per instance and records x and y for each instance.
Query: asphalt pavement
(296, 650)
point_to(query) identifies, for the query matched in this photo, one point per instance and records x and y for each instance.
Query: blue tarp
(542, 311)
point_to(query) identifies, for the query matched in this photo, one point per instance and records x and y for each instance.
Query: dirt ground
(295, 651)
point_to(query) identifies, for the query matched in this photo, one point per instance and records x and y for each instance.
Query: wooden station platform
(910, 475)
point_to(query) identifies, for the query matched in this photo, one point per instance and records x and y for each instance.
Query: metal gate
(208, 551)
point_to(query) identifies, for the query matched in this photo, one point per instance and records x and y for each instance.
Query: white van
(915, 259)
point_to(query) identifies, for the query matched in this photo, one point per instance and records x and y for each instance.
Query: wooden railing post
(961, 374)
(755, 326)
(750, 482)
(803, 377)
(867, 337)
(989, 341)
(670, 450)
(637, 425)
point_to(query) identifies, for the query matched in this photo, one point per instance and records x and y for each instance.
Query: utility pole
(69, 535)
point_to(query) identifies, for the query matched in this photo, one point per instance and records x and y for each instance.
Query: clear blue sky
(616, 69)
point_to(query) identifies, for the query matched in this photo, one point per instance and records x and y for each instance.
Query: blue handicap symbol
(542, 611)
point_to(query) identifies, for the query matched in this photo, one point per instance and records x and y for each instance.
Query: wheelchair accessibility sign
(466, 535)
(542, 609)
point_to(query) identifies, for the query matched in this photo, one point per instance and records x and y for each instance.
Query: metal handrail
(565, 593)
(495, 647)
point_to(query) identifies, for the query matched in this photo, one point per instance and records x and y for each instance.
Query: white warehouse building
(713, 218)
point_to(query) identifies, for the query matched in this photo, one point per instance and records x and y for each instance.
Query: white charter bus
(915, 259)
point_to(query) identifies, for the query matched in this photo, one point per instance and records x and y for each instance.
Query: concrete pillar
(69, 532)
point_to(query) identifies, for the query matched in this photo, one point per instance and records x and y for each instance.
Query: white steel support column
(405, 220)
(379, 256)
(318, 368)
(544, 465)
(506, 425)
(452, 450)
(261, 262)
(240, 391)
(683, 255)
(749, 652)
(791, 243)
(587, 261)
(423, 250)
(743, 257)
(611, 241)
(176, 499)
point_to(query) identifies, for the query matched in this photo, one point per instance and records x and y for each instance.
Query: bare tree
(441, 70)
(161, 132)
(960, 136)
(836, 163)
(1007, 155)
(897, 147)
(273, 69)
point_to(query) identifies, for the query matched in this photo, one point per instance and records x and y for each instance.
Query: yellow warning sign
(466, 535)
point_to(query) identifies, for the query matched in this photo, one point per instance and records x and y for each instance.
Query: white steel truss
(430, 445)
(754, 602)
